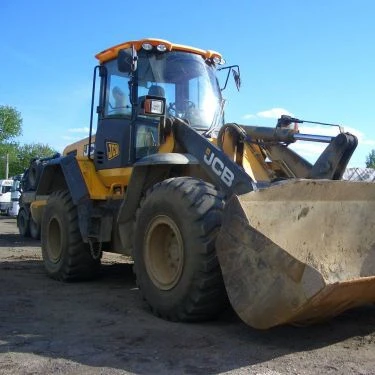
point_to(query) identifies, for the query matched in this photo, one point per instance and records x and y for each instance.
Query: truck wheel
(175, 261)
(23, 223)
(66, 257)
(34, 229)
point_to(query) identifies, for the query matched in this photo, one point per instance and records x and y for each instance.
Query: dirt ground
(103, 327)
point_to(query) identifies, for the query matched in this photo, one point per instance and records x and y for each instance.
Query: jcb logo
(113, 150)
(226, 175)
(86, 149)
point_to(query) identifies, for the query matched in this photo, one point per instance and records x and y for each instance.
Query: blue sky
(313, 59)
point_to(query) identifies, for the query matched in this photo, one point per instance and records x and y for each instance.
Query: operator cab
(142, 84)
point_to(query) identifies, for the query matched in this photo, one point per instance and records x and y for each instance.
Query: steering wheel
(188, 106)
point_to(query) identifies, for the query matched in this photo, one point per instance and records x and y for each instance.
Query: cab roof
(112, 52)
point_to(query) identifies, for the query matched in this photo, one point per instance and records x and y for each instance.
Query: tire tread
(78, 263)
(206, 297)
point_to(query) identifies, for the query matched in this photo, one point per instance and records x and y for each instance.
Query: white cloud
(362, 139)
(69, 138)
(79, 130)
(274, 113)
(367, 142)
(309, 150)
(318, 129)
(334, 130)
(248, 116)
(312, 150)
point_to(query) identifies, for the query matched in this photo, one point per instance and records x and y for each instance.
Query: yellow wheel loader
(211, 212)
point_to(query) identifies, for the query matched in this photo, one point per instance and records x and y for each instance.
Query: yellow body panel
(104, 184)
(254, 164)
(112, 176)
(250, 157)
(80, 147)
(168, 145)
(36, 209)
(121, 176)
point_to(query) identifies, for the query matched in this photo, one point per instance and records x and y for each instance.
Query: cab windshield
(187, 82)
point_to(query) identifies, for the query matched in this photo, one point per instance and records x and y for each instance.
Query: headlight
(218, 60)
(161, 47)
(147, 46)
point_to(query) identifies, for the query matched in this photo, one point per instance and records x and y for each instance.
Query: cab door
(113, 135)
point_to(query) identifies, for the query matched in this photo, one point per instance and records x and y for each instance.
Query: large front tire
(175, 261)
(66, 257)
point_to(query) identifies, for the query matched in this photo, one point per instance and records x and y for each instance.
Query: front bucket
(300, 251)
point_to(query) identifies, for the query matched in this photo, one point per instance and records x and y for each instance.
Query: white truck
(5, 196)
(15, 195)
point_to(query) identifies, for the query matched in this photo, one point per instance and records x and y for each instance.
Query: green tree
(10, 123)
(7, 153)
(370, 160)
(20, 156)
(10, 127)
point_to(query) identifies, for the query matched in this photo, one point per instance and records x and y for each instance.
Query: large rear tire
(175, 261)
(66, 257)
(23, 219)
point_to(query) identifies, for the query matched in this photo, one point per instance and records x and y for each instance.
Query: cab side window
(6, 189)
(117, 93)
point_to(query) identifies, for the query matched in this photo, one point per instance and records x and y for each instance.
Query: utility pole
(6, 166)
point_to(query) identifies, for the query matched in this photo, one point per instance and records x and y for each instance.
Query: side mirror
(237, 78)
(235, 69)
(127, 60)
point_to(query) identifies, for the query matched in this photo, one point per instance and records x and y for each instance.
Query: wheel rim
(54, 240)
(164, 252)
